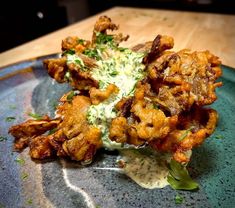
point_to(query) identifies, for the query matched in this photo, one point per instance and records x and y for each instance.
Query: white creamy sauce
(123, 69)
(148, 170)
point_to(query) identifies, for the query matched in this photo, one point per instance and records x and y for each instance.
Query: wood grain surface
(196, 31)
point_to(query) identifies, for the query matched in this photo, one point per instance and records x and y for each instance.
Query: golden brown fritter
(75, 43)
(73, 136)
(57, 68)
(97, 96)
(182, 79)
(102, 25)
(24, 131)
(191, 130)
(144, 123)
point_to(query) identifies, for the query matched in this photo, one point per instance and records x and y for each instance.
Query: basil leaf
(179, 177)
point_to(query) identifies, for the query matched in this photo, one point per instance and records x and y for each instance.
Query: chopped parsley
(102, 38)
(20, 161)
(24, 176)
(36, 116)
(93, 53)
(10, 118)
(2, 138)
(185, 134)
(122, 49)
(52, 131)
(70, 96)
(70, 52)
(219, 136)
(179, 177)
(81, 41)
(179, 199)
(29, 201)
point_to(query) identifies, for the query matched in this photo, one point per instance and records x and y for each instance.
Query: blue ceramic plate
(26, 87)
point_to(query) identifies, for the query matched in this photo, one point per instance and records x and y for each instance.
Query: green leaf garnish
(70, 51)
(185, 134)
(102, 38)
(24, 176)
(2, 138)
(20, 161)
(219, 136)
(35, 116)
(114, 73)
(10, 118)
(122, 49)
(179, 177)
(52, 131)
(92, 53)
(179, 199)
(81, 41)
(70, 96)
(29, 201)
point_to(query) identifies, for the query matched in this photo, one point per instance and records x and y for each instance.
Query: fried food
(184, 78)
(147, 95)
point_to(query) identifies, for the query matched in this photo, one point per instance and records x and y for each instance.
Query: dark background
(24, 20)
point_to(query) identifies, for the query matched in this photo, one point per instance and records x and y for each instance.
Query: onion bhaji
(166, 111)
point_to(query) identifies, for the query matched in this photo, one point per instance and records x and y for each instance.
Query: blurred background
(25, 20)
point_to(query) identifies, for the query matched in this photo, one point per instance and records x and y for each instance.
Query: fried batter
(182, 79)
(97, 96)
(165, 110)
(191, 130)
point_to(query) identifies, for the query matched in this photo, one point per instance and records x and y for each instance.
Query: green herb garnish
(219, 136)
(29, 201)
(185, 134)
(92, 53)
(102, 38)
(179, 199)
(121, 49)
(81, 41)
(10, 118)
(70, 52)
(20, 161)
(2, 138)
(179, 177)
(36, 116)
(24, 176)
(114, 73)
(52, 131)
(70, 96)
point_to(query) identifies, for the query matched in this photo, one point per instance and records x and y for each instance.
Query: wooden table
(196, 31)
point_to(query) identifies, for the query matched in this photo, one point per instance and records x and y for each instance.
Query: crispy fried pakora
(165, 108)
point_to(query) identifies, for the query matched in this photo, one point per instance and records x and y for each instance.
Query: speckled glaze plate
(26, 87)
